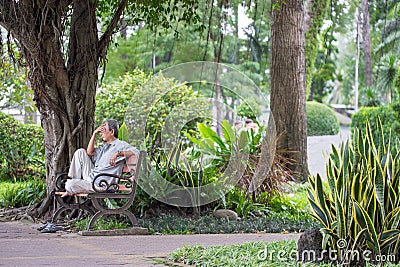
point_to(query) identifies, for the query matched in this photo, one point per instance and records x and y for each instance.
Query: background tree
(315, 15)
(14, 92)
(63, 49)
(288, 82)
(366, 41)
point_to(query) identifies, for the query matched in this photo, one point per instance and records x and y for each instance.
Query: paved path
(23, 245)
(319, 147)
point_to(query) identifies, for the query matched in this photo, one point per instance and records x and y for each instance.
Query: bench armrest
(61, 179)
(101, 183)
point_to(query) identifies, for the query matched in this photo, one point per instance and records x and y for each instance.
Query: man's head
(113, 125)
(110, 130)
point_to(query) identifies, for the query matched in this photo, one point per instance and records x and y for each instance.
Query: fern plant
(360, 203)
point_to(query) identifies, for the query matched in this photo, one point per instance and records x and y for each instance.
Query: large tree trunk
(288, 83)
(67, 102)
(64, 79)
(366, 43)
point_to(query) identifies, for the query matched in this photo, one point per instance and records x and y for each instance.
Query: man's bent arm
(126, 153)
(90, 147)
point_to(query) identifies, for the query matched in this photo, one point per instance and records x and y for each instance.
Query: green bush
(14, 195)
(21, 150)
(249, 109)
(239, 201)
(321, 120)
(114, 101)
(389, 117)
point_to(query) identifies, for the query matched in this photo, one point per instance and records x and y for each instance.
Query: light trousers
(81, 166)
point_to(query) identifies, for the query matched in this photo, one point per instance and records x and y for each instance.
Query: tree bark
(64, 80)
(288, 83)
(366, 43)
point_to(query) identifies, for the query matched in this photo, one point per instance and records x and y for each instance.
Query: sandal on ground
(51, 228)
(43, 226)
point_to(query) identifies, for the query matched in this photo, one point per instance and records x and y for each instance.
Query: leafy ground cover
(174, 224)
(260, 254)
(271, 223)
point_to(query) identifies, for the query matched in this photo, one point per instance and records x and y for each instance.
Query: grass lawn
(251, 254)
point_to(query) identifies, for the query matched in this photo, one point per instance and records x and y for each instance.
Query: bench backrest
(132, 163)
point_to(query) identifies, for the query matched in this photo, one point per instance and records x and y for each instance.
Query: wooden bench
(122, 187)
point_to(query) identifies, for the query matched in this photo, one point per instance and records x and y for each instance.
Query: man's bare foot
(65, 194)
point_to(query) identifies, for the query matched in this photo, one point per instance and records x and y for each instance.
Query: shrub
(112, 100)
(321, 120)
(389, 117)
(14, 195)
(115, 101)
(239, 201)
(249, 109)
(361, 203)
(21, 150)
(101, 224)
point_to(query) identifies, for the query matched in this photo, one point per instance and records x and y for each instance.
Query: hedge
(321, 120)
(21, 150)
(388, 115)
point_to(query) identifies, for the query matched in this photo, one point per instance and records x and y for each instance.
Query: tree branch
(7, 20)
(105, 39)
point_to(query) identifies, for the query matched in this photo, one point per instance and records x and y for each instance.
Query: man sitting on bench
(108, 158)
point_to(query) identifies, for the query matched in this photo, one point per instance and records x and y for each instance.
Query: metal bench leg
(57, 213)
(131, 217)
(94, 219)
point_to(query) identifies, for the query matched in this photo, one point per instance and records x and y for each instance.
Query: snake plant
(359, 203)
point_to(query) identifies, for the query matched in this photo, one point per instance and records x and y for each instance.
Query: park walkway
(319, 147)
(23, 245)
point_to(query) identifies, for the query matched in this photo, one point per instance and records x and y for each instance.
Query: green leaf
(359, 239)
(356, 187)
(379, 185)
(365, 221)
(207, 132)
(228, 132)
(340, 217)
(243, 141)
(320, 215)
(191, 138)
(123, 133)
(321, 198)
(388, 238)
